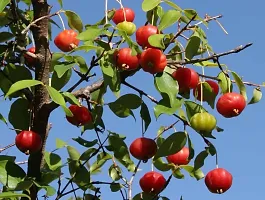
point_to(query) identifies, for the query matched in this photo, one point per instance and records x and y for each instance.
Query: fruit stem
(123, 10)
(153, 17)
(61, 19)
(32, 38)
(229, 85)
(216, 160)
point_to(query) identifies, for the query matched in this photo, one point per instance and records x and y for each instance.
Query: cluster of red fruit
(229, 105)
(152, 59)
(217, 181)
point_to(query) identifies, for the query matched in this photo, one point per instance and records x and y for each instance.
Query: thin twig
(39, 19)
(7, 147)
(214, 56)
(166, 129)
(131, 180)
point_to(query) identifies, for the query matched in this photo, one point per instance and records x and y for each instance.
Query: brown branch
(39, 19)
(214, 56)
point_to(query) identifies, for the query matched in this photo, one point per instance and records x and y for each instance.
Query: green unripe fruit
(128, 27)
(203, 122)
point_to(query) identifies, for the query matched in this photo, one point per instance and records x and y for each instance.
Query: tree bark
(41, 96)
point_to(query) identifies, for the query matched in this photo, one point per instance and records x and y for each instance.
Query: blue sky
(240, 146)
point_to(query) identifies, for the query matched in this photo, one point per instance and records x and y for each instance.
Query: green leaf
(87, 154)
(3, 119)
(74, 21)
(130, 101)
(120, 111)
(145, 115)
(144, 196)
(161, 165)
(73, 153)
(240, 85)
(224, 83)
(22, 85)
(114, 172)
(164, 107)
(257, 95)
(173, 5)
(198, 174)
(167, 86)
(23, 185)
(50, 191)
(85, 48)
(53, 160)
(71, 98)
(59, 83)
(11, 174)
(60, 143)
(177, 174)
(191, 148)
(62, 68)
(91, 33)
(192, 108)
(192, 47)
(85, 143)
(60, 2)
(102, 158)
(3, 4)
(9, 158)
(173, 144)
(168, 19)
(9, 195)
(121, 152)
(190, 13)
(115, 187)
(149, 4)
(57, 97)
(19, 115)
(199, 160)
(157, 40)
(5, 36)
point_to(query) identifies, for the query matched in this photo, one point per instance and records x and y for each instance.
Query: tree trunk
(41, 97)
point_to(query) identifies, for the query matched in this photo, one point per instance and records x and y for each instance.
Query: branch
(141, 92)
(7, 147)
(214, 56)
(39, 19)
(166, 129)
(131, 180)
(206, 19)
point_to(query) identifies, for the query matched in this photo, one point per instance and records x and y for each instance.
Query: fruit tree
(93, 76)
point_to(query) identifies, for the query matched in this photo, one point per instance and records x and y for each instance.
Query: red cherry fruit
(231, 104)
(152, 182)
(118, 16)
(143, 33)
(218, 180)
(81, 115)
(28, 142)
(66, 40)
(28, 58)
(187, 79)
(153, 60)
(125, 59)
(143, 148)
(180, 158)
(197, 90)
